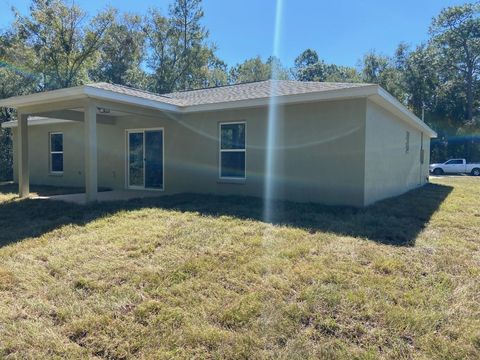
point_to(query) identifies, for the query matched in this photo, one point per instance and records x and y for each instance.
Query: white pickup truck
(455, 166)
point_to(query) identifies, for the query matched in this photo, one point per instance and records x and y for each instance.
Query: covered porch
(90, 106)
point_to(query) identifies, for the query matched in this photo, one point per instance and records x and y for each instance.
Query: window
(56, 153)
(407, 142)
(422, 152)
(232, 150)
(454, 162)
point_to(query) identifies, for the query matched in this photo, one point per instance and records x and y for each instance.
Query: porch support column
(90, 140)
(23, 167)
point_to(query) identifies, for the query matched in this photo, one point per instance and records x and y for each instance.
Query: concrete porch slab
(115, 195)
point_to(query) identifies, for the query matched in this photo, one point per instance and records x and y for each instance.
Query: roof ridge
(220, 86)
(269, 80)
(180, 91)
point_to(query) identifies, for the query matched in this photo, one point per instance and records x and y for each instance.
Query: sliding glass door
(145, 159)
(154, 159)
(135, 160)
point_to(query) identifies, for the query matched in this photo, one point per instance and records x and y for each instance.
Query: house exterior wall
(389, 169)
(320, 152)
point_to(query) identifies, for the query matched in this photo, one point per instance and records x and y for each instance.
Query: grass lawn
(198, 276)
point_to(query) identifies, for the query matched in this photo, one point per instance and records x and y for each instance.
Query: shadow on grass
(9, 187)
(396, 221)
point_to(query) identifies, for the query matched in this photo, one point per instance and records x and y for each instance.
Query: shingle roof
(120, 89)
(222, 97)
(247, 91)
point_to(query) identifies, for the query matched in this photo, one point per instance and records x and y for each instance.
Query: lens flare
(17, 70)
(271, 151)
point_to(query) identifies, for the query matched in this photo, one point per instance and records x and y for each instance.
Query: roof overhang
(388, 102)
(372, 92)
(80, 93)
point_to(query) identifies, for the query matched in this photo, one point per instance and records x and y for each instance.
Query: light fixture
(103, 110)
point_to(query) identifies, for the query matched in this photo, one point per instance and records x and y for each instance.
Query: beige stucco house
(332, 143)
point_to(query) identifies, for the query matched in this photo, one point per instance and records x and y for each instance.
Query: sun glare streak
(271, 159)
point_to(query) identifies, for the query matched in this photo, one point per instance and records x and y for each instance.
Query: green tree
(122, 53)
(374, 68)
(255, 69)
(179, 53)
(276, 68)
(14, 80)
(338, 73)
(382, 70)
(309, 67)
(216, 73)
(456, 33)
(250, 70)
(65, 42)
(419, 80)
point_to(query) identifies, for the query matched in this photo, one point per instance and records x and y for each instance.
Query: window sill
(231, 181)
(60, 174)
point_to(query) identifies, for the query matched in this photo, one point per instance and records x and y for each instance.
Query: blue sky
(341, 31)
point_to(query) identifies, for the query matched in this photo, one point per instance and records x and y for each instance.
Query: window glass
(422, 151)
(57, 162)
(136, 164)
(233, 164)
(154, 159)
(233, 136)
(56, 152)
(232, 150)
(56, 142)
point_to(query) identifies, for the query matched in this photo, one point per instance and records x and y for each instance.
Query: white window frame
(51, 152)
(220, 151)
(127, 159)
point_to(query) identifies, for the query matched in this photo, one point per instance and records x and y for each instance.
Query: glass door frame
(127, 158)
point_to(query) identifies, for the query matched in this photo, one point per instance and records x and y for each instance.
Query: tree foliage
(309, 67)
(121, 53)
(179, 57)
(255, 69)
(14, 80)
(64, 41)
(456, 35)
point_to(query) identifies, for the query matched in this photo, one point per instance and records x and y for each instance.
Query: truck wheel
(475, 172)
(438, 172)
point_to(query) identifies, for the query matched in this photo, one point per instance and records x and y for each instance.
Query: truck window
(454, 162)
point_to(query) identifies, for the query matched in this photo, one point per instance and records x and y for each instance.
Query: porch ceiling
(76, 115)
